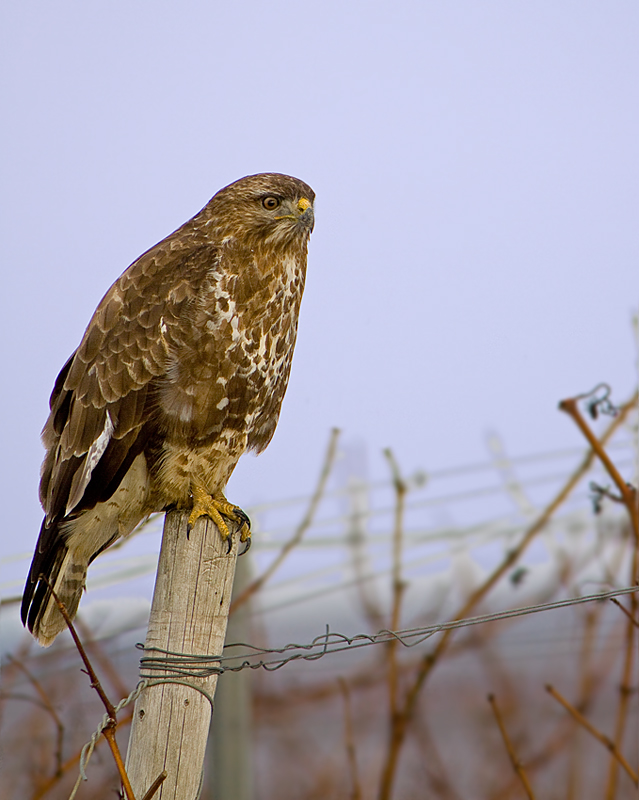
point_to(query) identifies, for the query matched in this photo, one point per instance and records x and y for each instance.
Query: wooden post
(189, 615)
(229, 769)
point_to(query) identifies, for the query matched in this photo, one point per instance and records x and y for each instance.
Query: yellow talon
(216, 508)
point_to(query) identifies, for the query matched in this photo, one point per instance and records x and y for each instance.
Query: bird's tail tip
(40, 612)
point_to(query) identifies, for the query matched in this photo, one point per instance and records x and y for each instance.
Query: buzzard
(182, 368)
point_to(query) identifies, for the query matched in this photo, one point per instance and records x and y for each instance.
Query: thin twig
(356, 792)
(396, 721)
(517, 766)
(436, 770)
(625, 611)
(553, 745)
(625, 690)
(591, 620)
(628, 492)
(357, 541)
(153, 788)
(605, 740)
(590, 682)
(25, 698)
(398, 532)
(585, 683)
(109, 730)
(109, 735)
(506, 470)
(304, 525)
(95, 682)
(103, 661)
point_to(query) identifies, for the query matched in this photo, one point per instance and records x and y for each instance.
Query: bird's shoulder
(125, 343)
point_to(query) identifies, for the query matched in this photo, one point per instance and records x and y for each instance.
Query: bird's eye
(270, 203)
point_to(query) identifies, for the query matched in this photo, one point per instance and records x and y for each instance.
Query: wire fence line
(120, 569)
(451, 536)
(458, 541)
(420, 478)
(442, 499)
(417, 481)
(454, 538)
(165, 665)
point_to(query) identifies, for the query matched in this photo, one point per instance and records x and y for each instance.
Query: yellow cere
(303, 204)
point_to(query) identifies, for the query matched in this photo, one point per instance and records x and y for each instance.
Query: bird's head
(268, 210)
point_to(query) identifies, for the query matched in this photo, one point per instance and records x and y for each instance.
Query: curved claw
(242, 517)
(245, 532)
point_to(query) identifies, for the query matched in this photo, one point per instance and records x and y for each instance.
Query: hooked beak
(303, 213)
(307, 217)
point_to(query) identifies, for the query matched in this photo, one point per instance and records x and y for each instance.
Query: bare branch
(517, 766)
(153, 788)
(357, 541)
(109, 730)
(605, 740)
(625, 611)
(304, 525)
(356, 792)
(628, 492)
(397, 718)
(103, 661)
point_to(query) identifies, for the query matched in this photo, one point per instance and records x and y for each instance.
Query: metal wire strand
(176, 667)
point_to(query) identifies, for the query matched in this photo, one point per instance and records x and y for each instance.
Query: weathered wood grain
(189, 614)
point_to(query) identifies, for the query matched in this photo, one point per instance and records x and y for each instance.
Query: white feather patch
(82, 477)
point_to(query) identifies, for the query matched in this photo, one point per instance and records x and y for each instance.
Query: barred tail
(66, 573)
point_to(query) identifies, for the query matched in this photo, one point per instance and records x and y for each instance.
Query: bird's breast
(234, 365)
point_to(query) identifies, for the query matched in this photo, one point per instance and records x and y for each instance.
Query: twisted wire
(87, 750)
(178, 667)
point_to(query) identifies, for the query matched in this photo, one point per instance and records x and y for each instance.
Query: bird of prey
(182, 368)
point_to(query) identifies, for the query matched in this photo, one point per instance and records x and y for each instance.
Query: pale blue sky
(475, 256)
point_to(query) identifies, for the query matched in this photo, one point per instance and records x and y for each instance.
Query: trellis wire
(183, 665)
